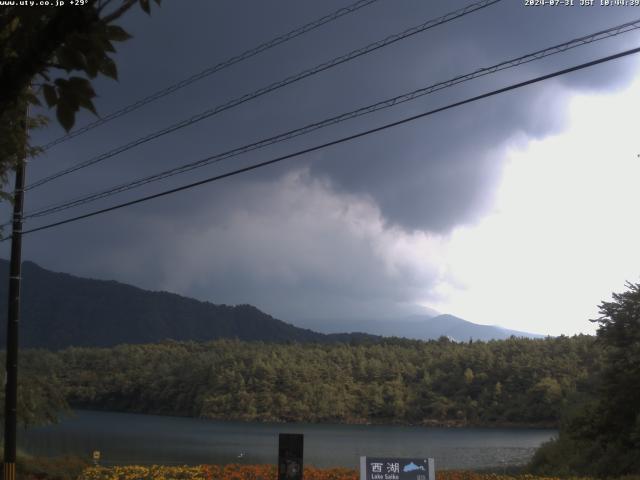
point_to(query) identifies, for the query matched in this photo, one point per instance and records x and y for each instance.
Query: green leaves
(66, 115)
(600, 437)
(108, 68)
(50, 94)
(117, 34)
(72, 94)
(86, 52)
(66, 49)
(70, 58)
(145, 6)
(79, 50)
(89, 52)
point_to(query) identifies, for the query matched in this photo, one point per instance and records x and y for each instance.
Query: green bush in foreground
(67, 467)
(602, 437)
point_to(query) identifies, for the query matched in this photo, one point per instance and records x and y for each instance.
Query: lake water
(125, 438)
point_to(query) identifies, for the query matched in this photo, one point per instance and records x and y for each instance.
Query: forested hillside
(516, 381)
(61, 310)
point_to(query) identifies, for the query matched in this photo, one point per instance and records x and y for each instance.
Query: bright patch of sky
(565, 230)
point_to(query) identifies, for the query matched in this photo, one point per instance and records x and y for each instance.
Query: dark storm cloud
(431, 175)
(440, 171)
(327, 254)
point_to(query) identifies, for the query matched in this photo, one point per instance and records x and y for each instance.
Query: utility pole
(13, 319)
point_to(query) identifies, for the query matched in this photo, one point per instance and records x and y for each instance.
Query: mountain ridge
(60, 310)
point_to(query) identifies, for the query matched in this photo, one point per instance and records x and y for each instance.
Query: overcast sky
(518, 210)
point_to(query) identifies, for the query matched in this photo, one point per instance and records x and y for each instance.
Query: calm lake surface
(125, 438)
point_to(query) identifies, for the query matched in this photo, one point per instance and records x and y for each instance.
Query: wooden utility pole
(13, 319)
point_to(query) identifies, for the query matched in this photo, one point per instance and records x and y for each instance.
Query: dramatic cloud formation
(291, 246)
(384, 224)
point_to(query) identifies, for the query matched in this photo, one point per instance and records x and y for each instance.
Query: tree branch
(126, 5)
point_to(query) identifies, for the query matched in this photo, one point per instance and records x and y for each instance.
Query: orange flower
(269, 472)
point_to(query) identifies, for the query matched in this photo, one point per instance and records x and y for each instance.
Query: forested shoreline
(515, 382)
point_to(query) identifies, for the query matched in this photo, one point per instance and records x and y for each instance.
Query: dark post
(290, 448)
(13, 319)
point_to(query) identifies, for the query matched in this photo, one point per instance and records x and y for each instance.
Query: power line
(335, 142)
(213, 69)
(584, 40)
(270, 88)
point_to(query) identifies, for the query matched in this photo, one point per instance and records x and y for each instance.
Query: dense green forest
(517, 381)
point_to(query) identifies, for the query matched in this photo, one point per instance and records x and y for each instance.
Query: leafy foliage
(40, 393)
(56, 52)
(14, 139)
(66, 467)
(602, 436)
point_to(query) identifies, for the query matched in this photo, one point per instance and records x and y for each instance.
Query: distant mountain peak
(423, 327)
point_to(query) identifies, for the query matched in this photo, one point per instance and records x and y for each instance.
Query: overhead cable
(212, 70)
(270, 88)
(563, 47)
(334, 142)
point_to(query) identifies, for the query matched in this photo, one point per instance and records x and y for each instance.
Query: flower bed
(261, 472)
